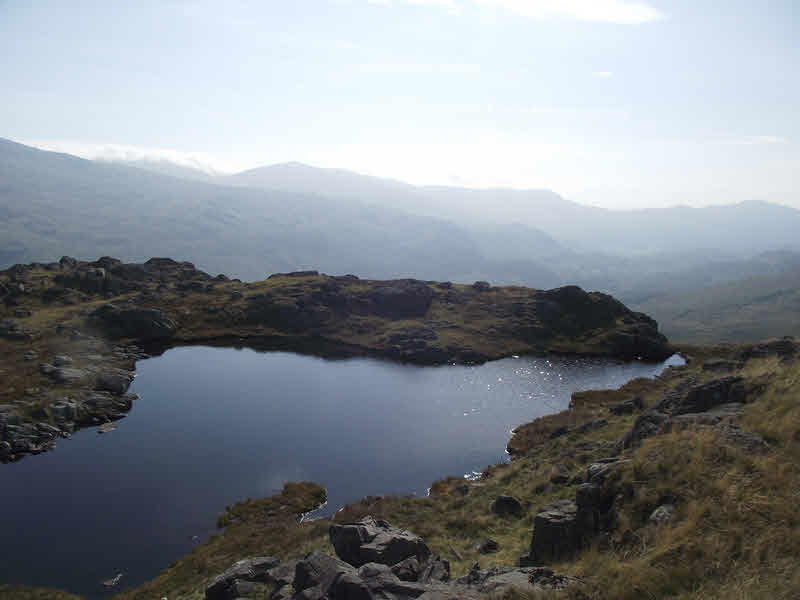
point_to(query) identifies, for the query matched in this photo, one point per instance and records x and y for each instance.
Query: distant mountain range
(293, 216)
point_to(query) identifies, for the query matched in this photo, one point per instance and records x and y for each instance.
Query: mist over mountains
(293, 216)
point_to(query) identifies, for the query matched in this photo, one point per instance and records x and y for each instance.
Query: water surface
(218, 425)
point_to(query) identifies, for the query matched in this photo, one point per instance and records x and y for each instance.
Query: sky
(614, 103)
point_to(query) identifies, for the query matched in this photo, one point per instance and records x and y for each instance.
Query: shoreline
(71, 332)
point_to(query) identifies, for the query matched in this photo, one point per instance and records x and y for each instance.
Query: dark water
(216, 425)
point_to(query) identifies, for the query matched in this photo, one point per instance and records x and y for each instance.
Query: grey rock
(719, 365)
(315, 574)
(746, 440)
(62, 360)
(556, 532)
(401, 299)
(117, 381)
(408, 569)
(505, 506)
(488, 546)
(64, 409)
(238, 579)
(598, 471)
(594, 504)
(559, 474)
(647, 424)
(663, 513)
(67, 375)
(285, 592)
(139, 323)
(783, 348)
(283, 574)
(490, 580)
(703, 397)
(11, 330)
(628, 407)
(67, 262)
(375, 541)
(590, 425)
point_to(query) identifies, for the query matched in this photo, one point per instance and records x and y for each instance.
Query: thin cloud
(765, 139)
(758, 140)
(625, 12)
(603, 74)
(206, 162)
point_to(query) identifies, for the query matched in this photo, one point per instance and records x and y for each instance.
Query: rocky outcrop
(530, 579)
(401, 299)
(242, 579)
(556, 533)
(11, 330)
(376, 541)
(403, 569)
(144, 324)
(562, 529)
(697, 398)
(506, 506)
(691, 403)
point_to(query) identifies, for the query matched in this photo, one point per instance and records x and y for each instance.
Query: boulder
(62, 361)
(702, 397)
(506, 506)
(488, 581)
(647, 424)
(11, 330)
(748, 441)
(286, 314)
(590, 425)
(488, 546)
(376, 541)
(115, 381)
(64, 409)
(594, 504)
(315, 574)
(140, 323)
(559, 474)
(557, 534)
(663, 513)
(67, 375)
(628, 407)
(783, 348)
(718, 365)
(67, 262)
(238, 580)
(401, 299)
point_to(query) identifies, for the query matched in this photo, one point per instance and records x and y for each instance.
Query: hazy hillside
(745, 310)
(736, 229)
(53, 204)
(292, 216)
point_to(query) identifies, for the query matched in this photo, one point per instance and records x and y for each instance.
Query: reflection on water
(217, 425)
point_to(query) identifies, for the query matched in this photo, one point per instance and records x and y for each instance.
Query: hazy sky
(609, 102)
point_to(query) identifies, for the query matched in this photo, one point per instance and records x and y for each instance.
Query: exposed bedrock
(376, 561)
